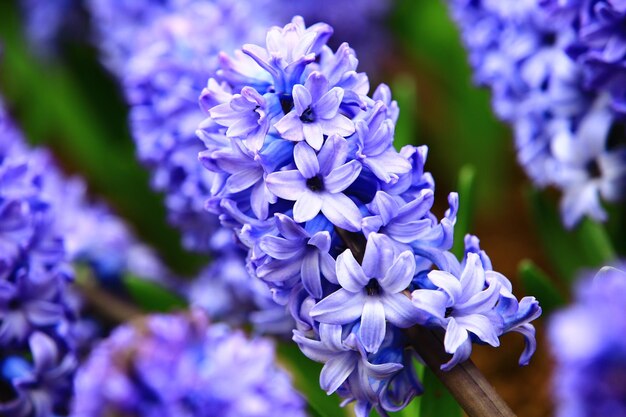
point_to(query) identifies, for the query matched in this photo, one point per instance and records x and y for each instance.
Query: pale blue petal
(349, 273)
(455, 336)
(333, 154)
(379, 255)
(342, 177)
(307, 206)
(399, 310)
(481, 326)
(372, 330)
(301, 98)
(288, 185)
(340, 307)
(398, 277)
(306, 160)
(290, 127)
(310, 272)
(341, 211)
(280, 248)
(313, 134)
(337, 370)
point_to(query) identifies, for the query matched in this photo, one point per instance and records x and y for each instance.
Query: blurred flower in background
(180, 365)
(589, 345)
(566, 131)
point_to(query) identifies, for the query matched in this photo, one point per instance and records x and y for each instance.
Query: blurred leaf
(539, 284)
(437, 400)
(466, 187)
(152, 297)
(588, 245)
(561, 247)
(595, 242)
(405, 93)
(306, 379)
(455, 118)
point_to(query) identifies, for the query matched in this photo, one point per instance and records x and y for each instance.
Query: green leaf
(539, 284)
(405, 93)
(306, 379)
(152, 297)
(595, 242)
(466, 187)
(588, 245)
(562, 249)
(437, 400)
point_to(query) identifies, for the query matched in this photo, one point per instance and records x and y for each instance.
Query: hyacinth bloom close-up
(268, 208)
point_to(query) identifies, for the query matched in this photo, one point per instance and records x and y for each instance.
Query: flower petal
(301, 98)
(313, 134)
(349, 273)
(337, 370)
(340, 307)
(372, 330)
(399, 276)
(307, 206)
(455, 336)
(399, 310)
(288, 185)
(341, 211)
(290, 127)
(310, 272)
(280, 248)
(342, 177)
(306, 160)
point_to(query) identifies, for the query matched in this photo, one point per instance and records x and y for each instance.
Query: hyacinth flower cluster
(179, 365)
(163, 52)
(589, 346)
(338, 223)
(553, 68)
(37, 316)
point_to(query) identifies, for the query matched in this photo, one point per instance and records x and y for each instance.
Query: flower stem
(106, 304)
(465, 381)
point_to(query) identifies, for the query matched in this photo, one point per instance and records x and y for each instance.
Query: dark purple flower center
(617, 136)
(373, 287)
(315, 183)
(7, 391)
(307, 116)
(286, 102)
(593, 169)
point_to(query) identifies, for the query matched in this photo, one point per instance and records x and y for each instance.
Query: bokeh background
(59, 93)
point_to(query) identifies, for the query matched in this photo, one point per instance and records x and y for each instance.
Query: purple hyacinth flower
(588, 344)
(40, 386)
(372, 292)
(246, 117)
(342, 358)
(318, 184)
(462, 305)
(180, 365)
(315, 113)
(586, 170)
(246, 173)
(308, 252)
(375, 145)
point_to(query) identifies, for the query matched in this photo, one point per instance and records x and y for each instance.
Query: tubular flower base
(338, 223)
(597, 322)
(180, 365)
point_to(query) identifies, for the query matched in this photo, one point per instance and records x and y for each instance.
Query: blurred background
(57, 90)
